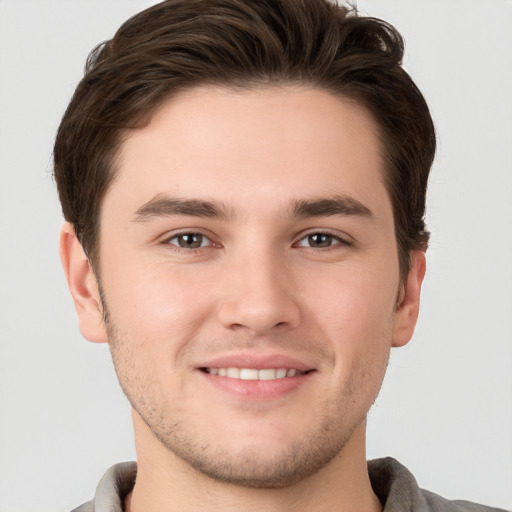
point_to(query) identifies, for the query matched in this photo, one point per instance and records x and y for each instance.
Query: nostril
(258, 313)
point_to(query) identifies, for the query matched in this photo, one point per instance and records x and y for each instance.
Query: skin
(267, 281)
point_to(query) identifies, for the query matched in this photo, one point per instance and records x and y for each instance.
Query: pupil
(320, 240)
(190, 240)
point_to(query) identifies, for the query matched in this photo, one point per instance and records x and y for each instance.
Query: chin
(260, 464)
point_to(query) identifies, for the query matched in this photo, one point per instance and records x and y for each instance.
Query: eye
(321, 241)
(190, 241)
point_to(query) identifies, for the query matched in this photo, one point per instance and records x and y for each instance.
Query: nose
(259, 295)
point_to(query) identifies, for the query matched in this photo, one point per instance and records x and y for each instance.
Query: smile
(254, 373)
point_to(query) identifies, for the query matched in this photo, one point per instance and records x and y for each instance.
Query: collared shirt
(393, 483)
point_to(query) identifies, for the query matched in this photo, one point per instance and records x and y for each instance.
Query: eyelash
(335, 241)
(338, 240)
(178, 247)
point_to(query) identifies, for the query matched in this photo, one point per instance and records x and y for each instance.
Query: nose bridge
(259, 292)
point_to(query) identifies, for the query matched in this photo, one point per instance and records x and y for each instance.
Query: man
(244, 188)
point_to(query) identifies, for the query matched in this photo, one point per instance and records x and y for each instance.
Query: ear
(408, 308)
(82, 285)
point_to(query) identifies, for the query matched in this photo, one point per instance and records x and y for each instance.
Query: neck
(165, 483)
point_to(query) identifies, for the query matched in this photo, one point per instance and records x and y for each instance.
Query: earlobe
(82, 285)
(407, 311)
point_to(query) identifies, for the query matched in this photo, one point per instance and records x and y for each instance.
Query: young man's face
(250, 233)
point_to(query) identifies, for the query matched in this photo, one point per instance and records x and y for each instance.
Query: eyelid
(166, 239)
(343, 239)
(204, 241)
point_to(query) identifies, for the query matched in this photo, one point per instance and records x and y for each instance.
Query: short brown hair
(179, 44)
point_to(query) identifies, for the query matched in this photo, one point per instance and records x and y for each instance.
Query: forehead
(265, 143)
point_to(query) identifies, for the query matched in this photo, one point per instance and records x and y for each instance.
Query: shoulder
(86, 507)
(112, 489)
(437, 503)
(398, 490)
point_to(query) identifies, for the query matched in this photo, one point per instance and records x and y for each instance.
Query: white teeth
(267, 374)
(253, 373)
(234, 373)
(249, 374)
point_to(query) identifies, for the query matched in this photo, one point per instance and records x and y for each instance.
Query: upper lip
(256, 361)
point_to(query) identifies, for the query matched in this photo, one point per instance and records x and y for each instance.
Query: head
(247, 180)
(178, 45)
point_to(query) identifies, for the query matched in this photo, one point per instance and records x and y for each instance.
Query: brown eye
(320, 240)
(189, 240)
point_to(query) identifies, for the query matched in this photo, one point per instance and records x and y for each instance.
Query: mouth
(256, 377)
(255, 373)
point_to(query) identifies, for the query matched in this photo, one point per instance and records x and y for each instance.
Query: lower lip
(257, 389)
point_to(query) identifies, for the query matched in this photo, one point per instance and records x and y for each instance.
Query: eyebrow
(166, 206)
(161, 206)
(325, 207)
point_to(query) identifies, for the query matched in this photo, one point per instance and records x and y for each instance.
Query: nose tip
(259, 301)
(257, 321)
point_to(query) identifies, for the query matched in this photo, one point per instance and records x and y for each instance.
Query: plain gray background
(446, 406)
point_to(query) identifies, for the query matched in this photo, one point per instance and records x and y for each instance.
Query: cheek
(154, 315)
(352, 300)
(355, 315)
(155, 303)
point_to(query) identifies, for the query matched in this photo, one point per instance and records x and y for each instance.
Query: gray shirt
(393, 483)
